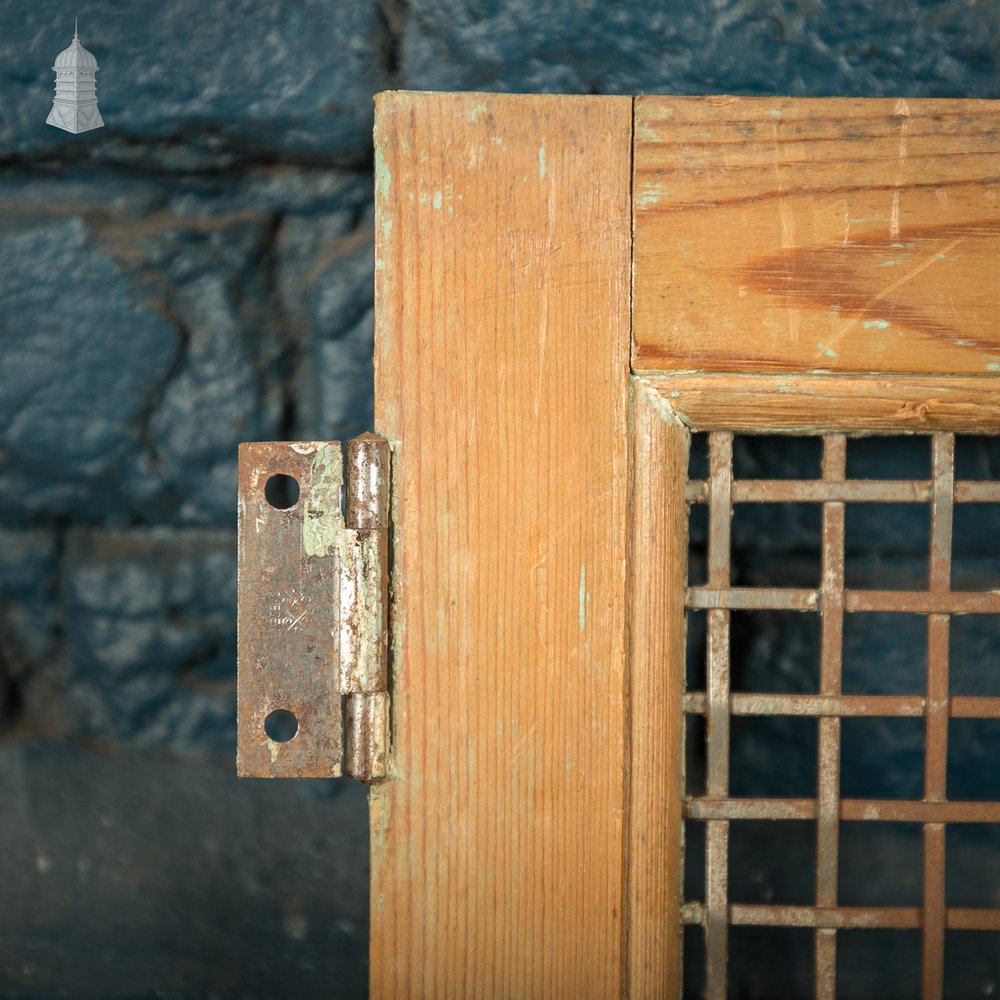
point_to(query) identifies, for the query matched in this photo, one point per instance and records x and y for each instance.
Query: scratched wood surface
(502, 346)
(657, 580)
(812, 404)
(843, 235)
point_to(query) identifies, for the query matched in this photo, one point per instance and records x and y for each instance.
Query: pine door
(569, 292)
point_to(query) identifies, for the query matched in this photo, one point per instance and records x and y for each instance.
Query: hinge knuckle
(367, 482)
(367, 736)
(363, 607)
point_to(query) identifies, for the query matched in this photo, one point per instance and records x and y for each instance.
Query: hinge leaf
(313, 597)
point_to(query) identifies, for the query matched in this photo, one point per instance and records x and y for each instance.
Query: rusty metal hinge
(313, 696)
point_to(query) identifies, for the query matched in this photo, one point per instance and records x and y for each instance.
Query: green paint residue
(541, 163)
(383, 183)
(876, 324)
(649, 195)
(662, 408)
(321, 519)
(476, 109)
(993, 366)
(383, 178)
(437, 199)
(583, 597)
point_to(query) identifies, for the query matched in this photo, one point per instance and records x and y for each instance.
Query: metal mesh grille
(832, 600)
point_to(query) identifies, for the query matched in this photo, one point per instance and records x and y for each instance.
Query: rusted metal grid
(832, 600)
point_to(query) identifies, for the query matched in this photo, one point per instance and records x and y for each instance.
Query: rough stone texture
(857, 47)
(149, 627)
(199, 84)
(199, 272)
(79, 355)
(325, 281)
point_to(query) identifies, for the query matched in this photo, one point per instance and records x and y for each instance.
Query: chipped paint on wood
(658, 403)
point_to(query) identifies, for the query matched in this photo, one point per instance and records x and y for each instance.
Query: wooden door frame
(503, 257)
(527, 842)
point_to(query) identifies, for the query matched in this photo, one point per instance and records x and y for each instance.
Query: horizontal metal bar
(921, 602)
(977, 491)
(833, 706)
(847, 491)
(705, 808)
(914, 811)
(752, 598)
(818, 705)
(966, 919)
(883, 810)
(843, 917)
(824, 916)
(818, 491)
(973, 707)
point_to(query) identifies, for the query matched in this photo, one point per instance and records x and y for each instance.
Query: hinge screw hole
(281, 491)
(281, 726)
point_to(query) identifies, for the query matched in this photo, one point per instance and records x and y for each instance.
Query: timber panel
(776, 234)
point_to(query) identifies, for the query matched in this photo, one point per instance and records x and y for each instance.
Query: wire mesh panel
(826, 725)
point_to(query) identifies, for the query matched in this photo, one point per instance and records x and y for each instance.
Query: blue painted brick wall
(197, 273)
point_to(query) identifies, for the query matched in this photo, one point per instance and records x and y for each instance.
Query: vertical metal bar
(936, 750)
(720, 484)
(718, 705)
(831, 661)
(717, 909)
(717, 847)
(934, 915)
(937, 709)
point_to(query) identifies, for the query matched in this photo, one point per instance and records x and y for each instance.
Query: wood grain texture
(502, 363)
(847, 235)
(657, 580)
(813, 404)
